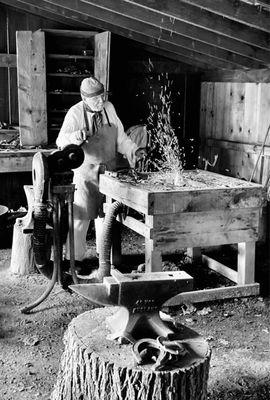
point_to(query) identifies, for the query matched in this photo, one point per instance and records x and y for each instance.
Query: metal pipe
(106, 242)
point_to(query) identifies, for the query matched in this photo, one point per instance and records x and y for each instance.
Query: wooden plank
(251, 113)
(14, 118)
(208, 222)
(241, 12)
(261, 75)
(237, 146)
(102, 58)
(246, 263)
(24, 39)
(32, 88)
(130, 196)
(194, 253)
(39, 95)
(8, 60)
(264, 115)
(200, 296)
(153, 258)
(4, 104)
(69, 33)
(209, 110)
(132, 223)
(18, 161)
(203, 104)
(172, 243)
(220, 268)
(216, 199)
(211, 22)
(34, 8)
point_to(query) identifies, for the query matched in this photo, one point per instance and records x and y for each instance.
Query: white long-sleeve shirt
(74, 122)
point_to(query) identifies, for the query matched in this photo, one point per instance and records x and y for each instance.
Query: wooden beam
(184, 34)
(259, 76)
(176, 9)
(8, 60)
(89, 22)
(91, 10)
(237, 146)
(239, 11)
(35, 10)
(163, 29)
(220, 268)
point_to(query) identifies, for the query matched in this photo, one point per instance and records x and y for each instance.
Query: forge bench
(209, 210)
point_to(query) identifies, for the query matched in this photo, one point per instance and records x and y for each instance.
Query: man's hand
(140, 153)
(81, 135)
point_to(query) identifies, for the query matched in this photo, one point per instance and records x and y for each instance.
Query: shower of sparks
(166, 156)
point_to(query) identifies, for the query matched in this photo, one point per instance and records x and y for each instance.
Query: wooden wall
(129, 87)
(11, 21)
(234, 125)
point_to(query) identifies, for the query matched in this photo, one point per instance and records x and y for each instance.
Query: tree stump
(22, 256)
(93, 367)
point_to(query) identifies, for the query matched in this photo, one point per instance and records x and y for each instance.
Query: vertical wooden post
(22, 255)
(246, 263)
(153, 258)
(31, 76)
(194, 253)
(102, 58)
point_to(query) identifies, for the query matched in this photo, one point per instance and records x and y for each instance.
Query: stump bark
(22, 256)
(93, 367)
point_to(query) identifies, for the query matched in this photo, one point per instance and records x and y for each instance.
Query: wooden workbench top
(201, 191)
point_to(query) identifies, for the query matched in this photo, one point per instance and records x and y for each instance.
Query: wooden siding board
(102, 57)
(264, 113)
(4, 116)
(31, 88)
(207, 20)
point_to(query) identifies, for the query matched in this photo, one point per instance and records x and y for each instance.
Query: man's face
(95, 103)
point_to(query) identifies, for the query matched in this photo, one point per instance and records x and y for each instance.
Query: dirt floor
(237, 330)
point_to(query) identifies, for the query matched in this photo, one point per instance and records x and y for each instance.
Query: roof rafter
(247, 14)
(90, 22)
(183, 46)
(206, 20)
(33, 9)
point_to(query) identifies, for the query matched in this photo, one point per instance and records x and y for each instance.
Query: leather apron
(99, 150)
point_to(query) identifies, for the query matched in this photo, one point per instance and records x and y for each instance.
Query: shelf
(66, 93)
(69, 56)
(68, 75)
(58, 111)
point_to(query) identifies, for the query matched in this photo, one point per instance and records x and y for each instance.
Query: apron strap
(105, 112)
(85, 118)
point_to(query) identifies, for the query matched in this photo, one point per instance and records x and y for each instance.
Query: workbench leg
(153, 259)
(194, 253)
(246, 263)
(116, 251)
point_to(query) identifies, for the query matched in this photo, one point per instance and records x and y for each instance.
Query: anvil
(140, 297)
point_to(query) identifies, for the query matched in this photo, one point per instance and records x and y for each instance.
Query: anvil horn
(95, 292)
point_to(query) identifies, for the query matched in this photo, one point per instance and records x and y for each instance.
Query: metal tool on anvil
(140, 297)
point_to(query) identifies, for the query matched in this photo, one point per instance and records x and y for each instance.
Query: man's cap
(91, 87)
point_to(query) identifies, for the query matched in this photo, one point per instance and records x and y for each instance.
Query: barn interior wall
(132, 85)
(235, 123)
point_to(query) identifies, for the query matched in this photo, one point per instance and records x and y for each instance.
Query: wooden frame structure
(192, 219)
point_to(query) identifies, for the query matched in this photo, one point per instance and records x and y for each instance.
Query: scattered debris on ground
(31, 345)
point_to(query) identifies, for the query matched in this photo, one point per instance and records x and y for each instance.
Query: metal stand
(60, 195)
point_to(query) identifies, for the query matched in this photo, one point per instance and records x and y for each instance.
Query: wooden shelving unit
(51, 65)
